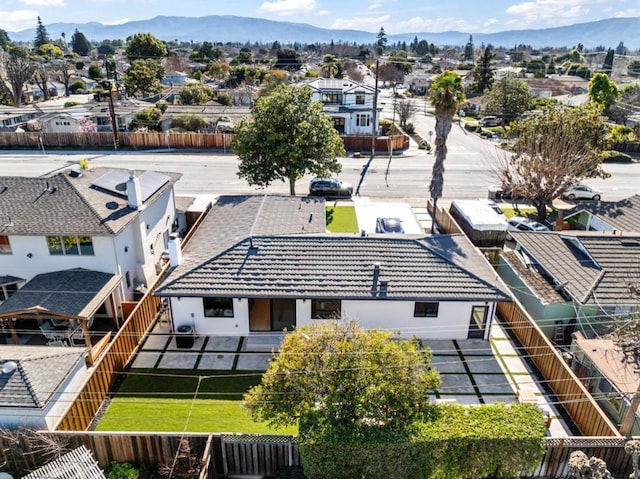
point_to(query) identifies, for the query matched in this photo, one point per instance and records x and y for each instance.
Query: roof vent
(75, 174)
(4, 188)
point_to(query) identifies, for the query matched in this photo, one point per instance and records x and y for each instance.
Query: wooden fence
(159, 140)
(574, 397)
(251, 455)
(445, 221)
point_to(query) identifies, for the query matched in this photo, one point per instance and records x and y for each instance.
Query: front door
(478, 321)
(271, 314)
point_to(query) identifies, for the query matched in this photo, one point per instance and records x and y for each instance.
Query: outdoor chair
(51, 333)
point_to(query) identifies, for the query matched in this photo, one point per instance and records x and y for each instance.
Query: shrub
(76, 86)
(224, 99)
(123, 470)
(190, 122)
(410, 128)
(615, 156)
(69, 104)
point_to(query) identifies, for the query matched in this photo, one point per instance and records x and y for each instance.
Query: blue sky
(395, 16)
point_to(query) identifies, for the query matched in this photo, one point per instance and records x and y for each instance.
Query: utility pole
(107, 84)
(375, 112)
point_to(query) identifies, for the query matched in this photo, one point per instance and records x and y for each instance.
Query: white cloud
(375, 5)
(288, 7)
(361, 23)
(323, 13)
(632, 12)
(16, 20)
(45, 3)
(552, 12)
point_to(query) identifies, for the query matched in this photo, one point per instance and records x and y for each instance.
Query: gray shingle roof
(332, 266)
(40, 372)
(623, 215)
(75, 293)
(62, 205)
(234, 218)
(595, 268)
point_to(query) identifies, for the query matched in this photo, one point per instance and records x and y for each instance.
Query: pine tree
(80, 44)
(42, 37)
(607, 66)
(468, 50)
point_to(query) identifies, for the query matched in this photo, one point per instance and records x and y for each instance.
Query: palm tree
(329, 65)
(446, 94)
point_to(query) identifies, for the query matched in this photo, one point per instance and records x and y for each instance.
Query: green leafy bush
(615, 156)
(123, 470)
(77, 86)
(69, 104)
(410, 128)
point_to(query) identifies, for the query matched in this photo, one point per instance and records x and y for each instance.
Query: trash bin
(185, 337)
(495, 193)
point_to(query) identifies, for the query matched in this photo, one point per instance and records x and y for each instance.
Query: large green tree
(483, 72)
(446, 95)
(196, 94)
(16, 68)
(42, 36)
(5, 41)
(287, 137)
(143, 46)
(330, 65)
(348, 375)
(603, 91)
(143, 77)
(80, 44)
(507, 98)
(552, 150)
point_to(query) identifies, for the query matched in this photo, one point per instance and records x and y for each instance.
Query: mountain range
(225, 28)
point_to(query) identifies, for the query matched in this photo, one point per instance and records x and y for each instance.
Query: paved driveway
(367, 211)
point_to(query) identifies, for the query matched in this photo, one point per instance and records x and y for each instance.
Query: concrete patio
(473, 371)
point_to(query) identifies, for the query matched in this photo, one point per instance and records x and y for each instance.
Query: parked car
(330, 187)
(389, 225)
(490, 121)
(582, 192)
(520, 223)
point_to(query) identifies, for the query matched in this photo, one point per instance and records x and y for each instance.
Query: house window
(359, 98)
(426, 310)
(70, 245)
(326, 308)
(5, 245)
(332, 97)
(363, 119)
(218, 307)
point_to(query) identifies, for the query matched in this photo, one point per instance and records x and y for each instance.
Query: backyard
(176, 400)
(342, 219)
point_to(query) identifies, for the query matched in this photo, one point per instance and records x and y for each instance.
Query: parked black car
(330, 187)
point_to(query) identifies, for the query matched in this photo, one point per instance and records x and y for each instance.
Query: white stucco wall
(452, 321)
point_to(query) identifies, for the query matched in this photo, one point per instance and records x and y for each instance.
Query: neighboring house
(213, 112)
(263, 264)
(574, 278)
(104, 220)
(419, 81)
(62, 122)
(607, 216)
(610, 373)
(37, 384)
(349, 103)
(12, 118)
(175, 78)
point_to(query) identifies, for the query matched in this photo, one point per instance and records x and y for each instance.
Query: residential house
(349, 103)
(574, 279)
(607, 216)
(609, 370)
(62, 122)
(37, 384)
(419, 81)
(264, 263)
(82, 223)
(15, 119)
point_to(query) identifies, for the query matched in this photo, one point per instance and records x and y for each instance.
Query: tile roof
(623, 215)
(75, 293)
(41, 371)
(596, 268)
(64, 205)
(334, 266)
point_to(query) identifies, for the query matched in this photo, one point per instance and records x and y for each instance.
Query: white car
(519, 223)
(582, 192)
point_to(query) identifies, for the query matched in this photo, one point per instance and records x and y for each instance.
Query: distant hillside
(224, 28)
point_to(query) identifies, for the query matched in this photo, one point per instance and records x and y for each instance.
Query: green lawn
(342, 219)
(162, 400)
(524, 211)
